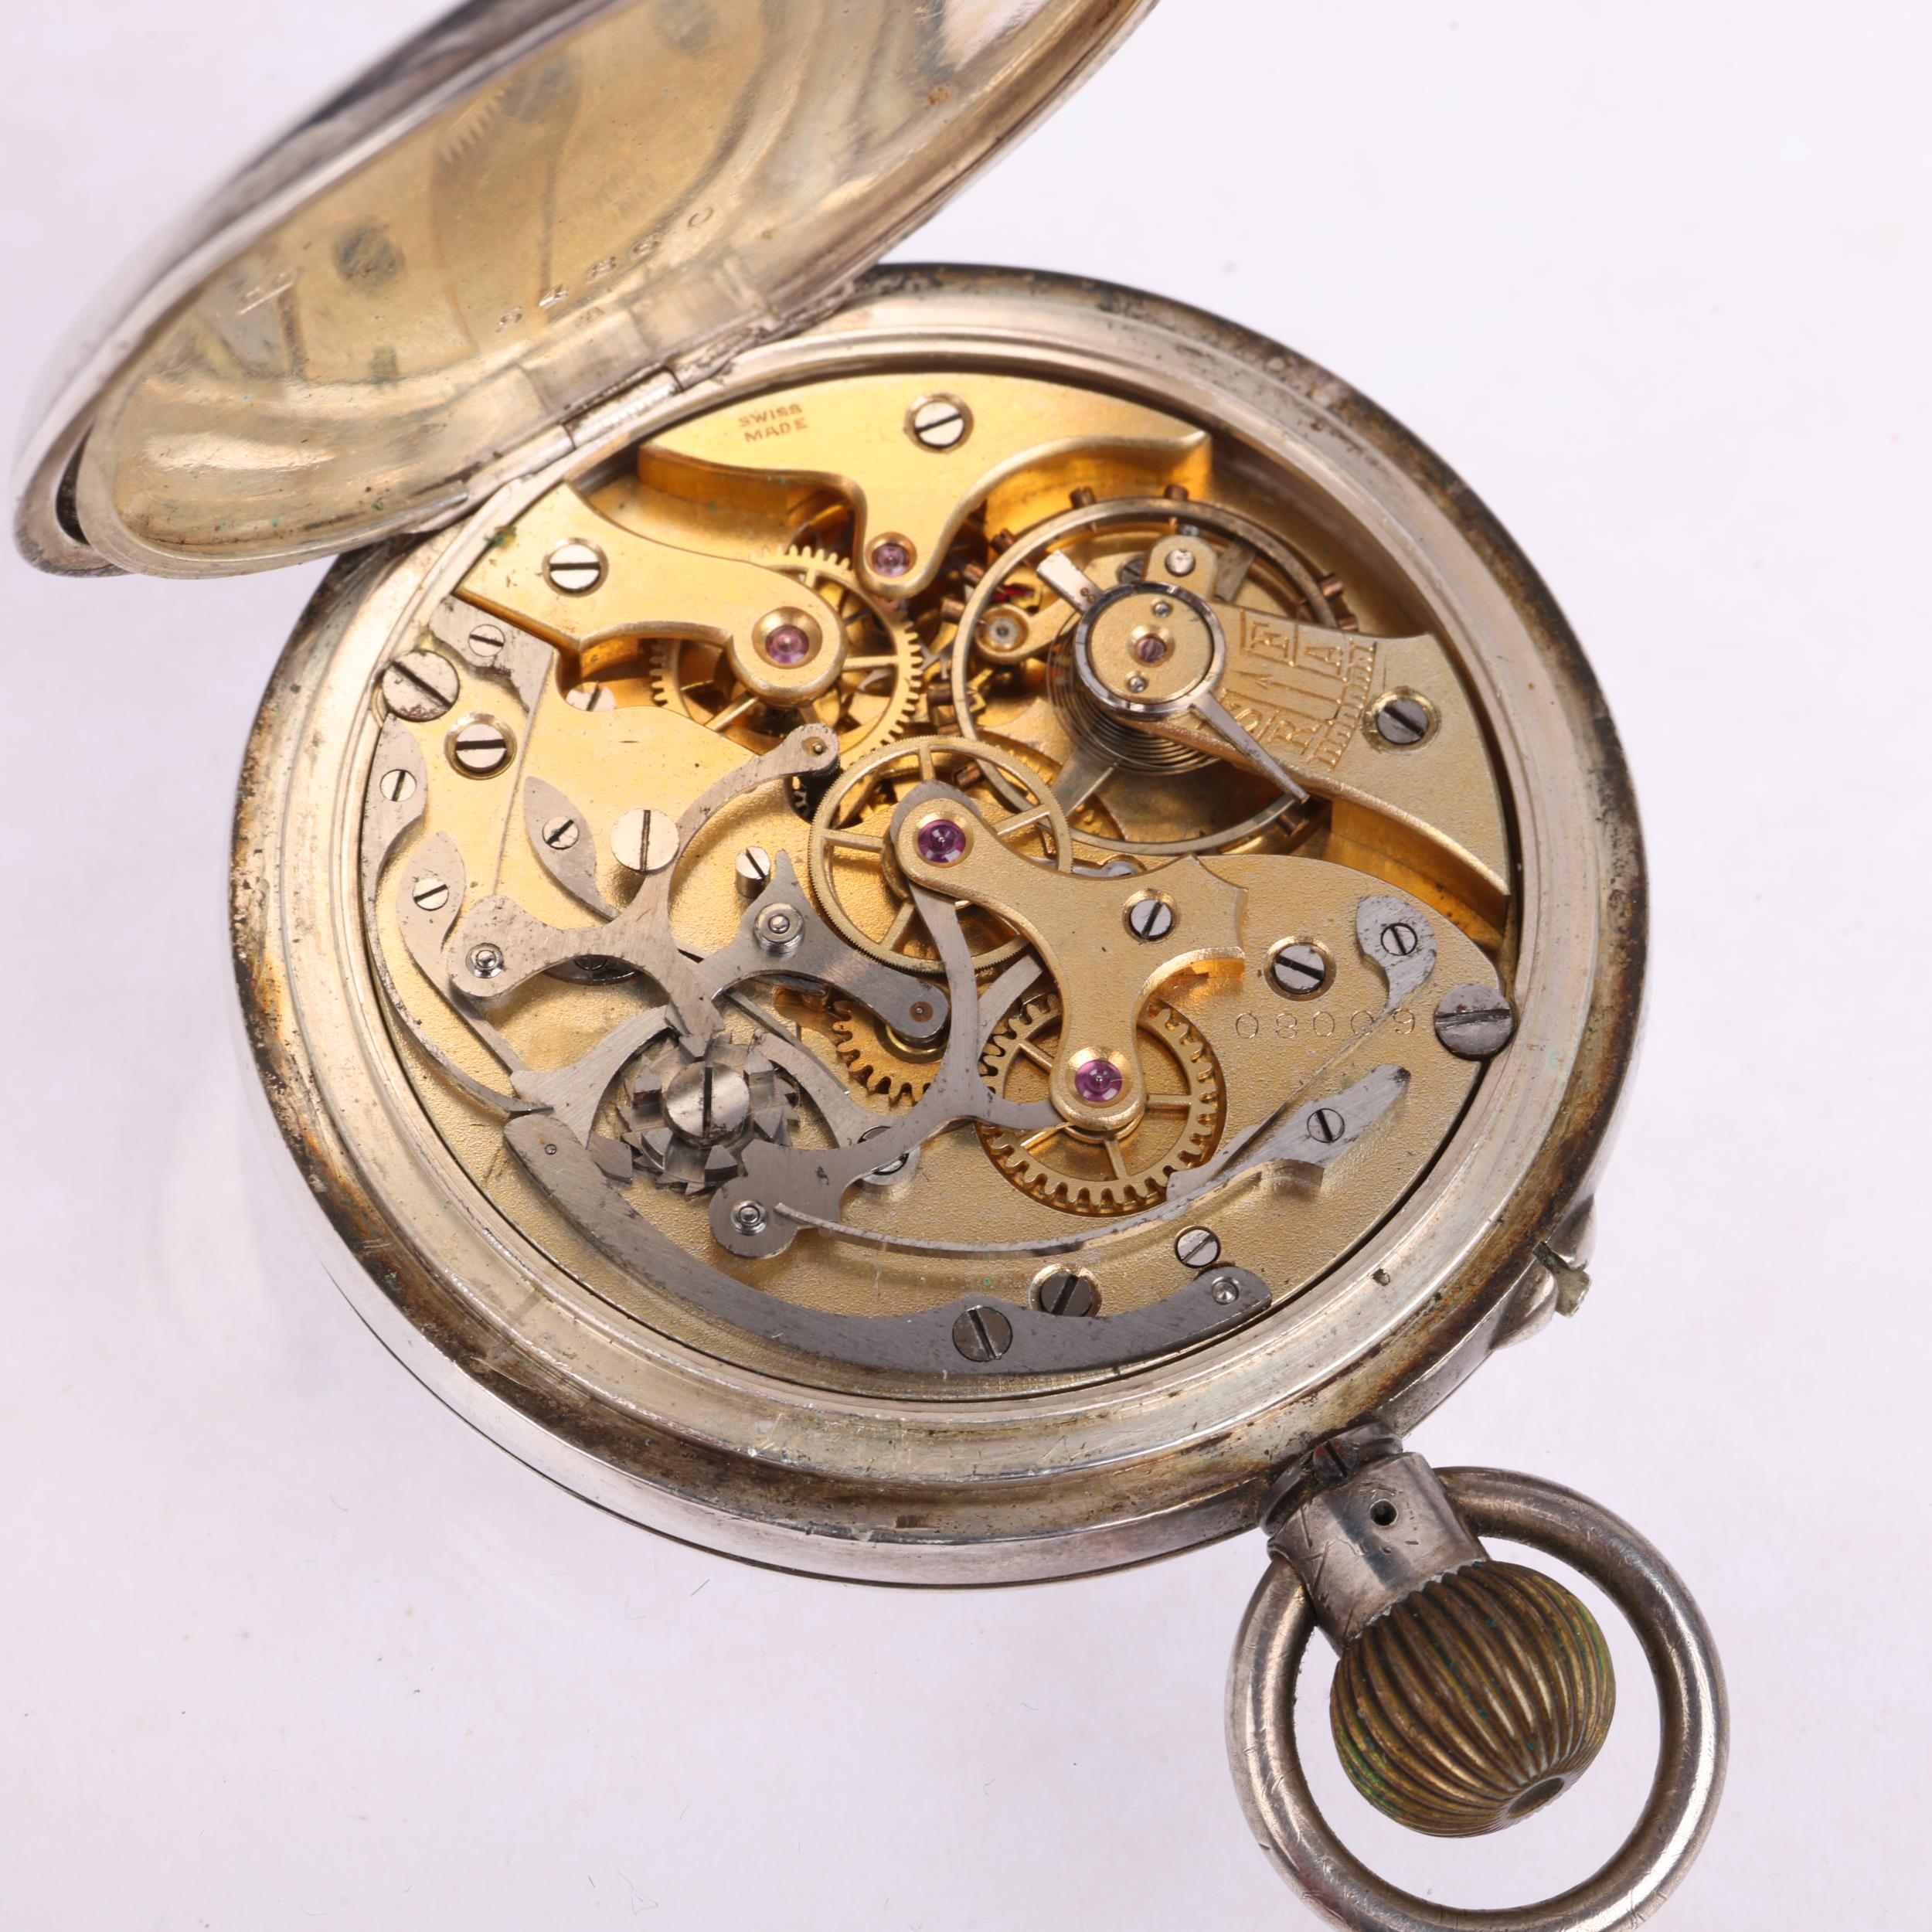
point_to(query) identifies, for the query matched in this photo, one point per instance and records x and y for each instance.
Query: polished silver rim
(1694, 1731)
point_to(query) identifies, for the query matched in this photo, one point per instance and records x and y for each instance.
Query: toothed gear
(876, 697)
(1106, 1174)
(875, 1060)
(690, 1115)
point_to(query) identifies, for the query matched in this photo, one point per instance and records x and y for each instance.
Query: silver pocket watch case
(935, 925)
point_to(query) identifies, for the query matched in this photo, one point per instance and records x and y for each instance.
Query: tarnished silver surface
(808, 949)
(1040, 1343)
(650, 1415)
(420, 289)
(792, 1189)
(396, 802)
(565, 846)
(1358, 1107)
(497, 649)
(1626, 1891)
(848, 1121)
(1391, 932)
(574, 1092)
(499, 946)
(1311, 1135)
(1473, 1021)
(429, 896)
(1369, 1541)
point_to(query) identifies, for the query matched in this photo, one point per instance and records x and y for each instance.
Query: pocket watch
(936, 925)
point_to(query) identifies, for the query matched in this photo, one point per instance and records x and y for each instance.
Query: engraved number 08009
(1286, 1022)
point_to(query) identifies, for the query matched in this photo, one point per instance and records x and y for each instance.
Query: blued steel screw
(1475, 1021)
(982, 1333)
(1402, 720)
(1067, 1291)
(1300, 971)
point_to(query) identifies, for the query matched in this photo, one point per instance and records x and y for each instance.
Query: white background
(283, 1644)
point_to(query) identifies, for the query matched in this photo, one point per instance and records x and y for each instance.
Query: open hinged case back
(935, 924)
(428, 287)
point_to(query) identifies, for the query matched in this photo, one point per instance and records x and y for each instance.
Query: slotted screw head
(645, 841)
(430, 892)
(753, 870)
(1066, 1291)
(486, 640)
(419, 685)
(1197, 1247)
(1300, 970)
(480, 746)
(938, 423)
(1399, 940)
(574, 567)
(1326, 1125)
(982, 1333)
(1475, 1021)
(561, 834)
(1402, 719)
(1150, 918)
(707, 1103)
(397, 784)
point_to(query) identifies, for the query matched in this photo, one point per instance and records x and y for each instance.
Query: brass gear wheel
(875, 1060)
(858, 893)
(876, 697)
(1113, 1173)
